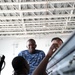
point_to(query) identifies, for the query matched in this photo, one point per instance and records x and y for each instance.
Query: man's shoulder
(24, 52)
(40, 53)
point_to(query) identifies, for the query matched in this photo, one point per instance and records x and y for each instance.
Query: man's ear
(35, 45)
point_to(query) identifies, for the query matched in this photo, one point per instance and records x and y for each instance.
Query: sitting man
(32, 55)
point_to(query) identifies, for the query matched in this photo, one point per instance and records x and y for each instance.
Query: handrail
(66, 53)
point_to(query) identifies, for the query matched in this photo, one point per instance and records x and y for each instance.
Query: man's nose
(31, 46)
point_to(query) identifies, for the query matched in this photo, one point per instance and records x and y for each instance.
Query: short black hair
(18, 63)
(56, 38)
(32, 40)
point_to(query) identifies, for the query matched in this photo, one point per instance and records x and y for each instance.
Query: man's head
(20, 65)
(31, 45)
(57, 42)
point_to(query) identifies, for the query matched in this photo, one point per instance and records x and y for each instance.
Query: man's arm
(41, 68)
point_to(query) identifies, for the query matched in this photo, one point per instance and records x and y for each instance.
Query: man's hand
(52, 49)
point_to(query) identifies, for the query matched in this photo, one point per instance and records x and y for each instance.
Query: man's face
(56, 44)
(31, 46)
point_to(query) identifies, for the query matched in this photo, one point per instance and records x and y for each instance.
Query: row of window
(24, 14)
(47, 5)
(16, 14)
(9, 7)
(9, 21)
(36, 29)
(37, 21)
(42, 33)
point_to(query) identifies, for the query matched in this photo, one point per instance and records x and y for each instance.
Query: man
(41, 69)
(32, 55)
